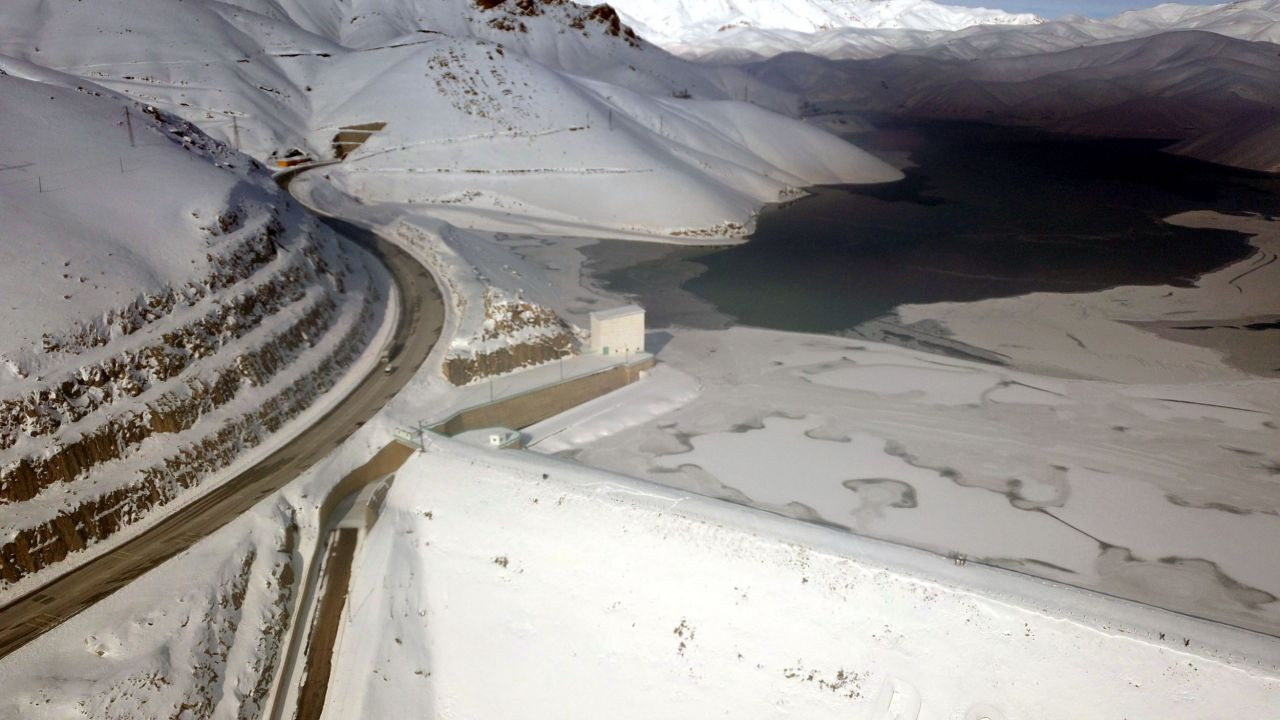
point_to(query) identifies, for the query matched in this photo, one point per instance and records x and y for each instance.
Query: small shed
(619, 331)
(494, 438)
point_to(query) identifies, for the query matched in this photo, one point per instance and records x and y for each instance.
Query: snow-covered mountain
(165, 311)
(1245, 20)
(148, 350)
(1215, 94)
(1254, 20)
(685, 22)
(491, 109)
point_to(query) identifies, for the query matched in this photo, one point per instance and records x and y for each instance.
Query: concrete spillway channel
(346, 515)
(335, 581)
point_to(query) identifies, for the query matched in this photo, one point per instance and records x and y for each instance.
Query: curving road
(418, 328)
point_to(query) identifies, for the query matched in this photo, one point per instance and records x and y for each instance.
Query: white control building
(619, 331)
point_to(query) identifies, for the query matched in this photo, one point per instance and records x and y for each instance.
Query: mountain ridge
(675, 21)
(1254, 20)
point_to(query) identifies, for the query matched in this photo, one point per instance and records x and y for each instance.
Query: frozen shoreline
(1041, 465)
(1104, 335)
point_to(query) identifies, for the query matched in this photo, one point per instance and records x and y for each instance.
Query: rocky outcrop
(516, 334)
(173, 412)
(84, 390)
(97, 518)
(465, 370)
(241, 261)
(579, 18)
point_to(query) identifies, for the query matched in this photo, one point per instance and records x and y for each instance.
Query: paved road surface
(420, 323)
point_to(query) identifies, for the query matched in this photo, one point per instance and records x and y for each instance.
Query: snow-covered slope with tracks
(490, 108)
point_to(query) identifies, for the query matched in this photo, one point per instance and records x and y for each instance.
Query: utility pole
(235, 132)
(128, 123)
(610, 119)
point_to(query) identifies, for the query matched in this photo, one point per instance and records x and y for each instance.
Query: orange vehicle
(292, 158)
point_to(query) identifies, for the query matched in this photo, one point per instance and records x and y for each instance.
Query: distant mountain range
(1206, 77)
(1217, 96)
(926, 28)
(688, 22)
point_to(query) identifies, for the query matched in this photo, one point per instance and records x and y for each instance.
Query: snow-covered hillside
(165, 309)
(669, 22)
(602, 596)
(1254, 20)
(1257, 20)
(488, 109)
(1215, 94)
(1245, 19)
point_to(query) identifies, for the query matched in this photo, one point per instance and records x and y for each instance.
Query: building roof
(618, 312)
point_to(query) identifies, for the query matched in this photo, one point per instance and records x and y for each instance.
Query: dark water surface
(987, 212)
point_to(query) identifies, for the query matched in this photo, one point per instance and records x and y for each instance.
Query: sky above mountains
(1058, 8)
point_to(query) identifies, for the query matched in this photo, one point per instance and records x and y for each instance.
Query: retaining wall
(524, 410)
